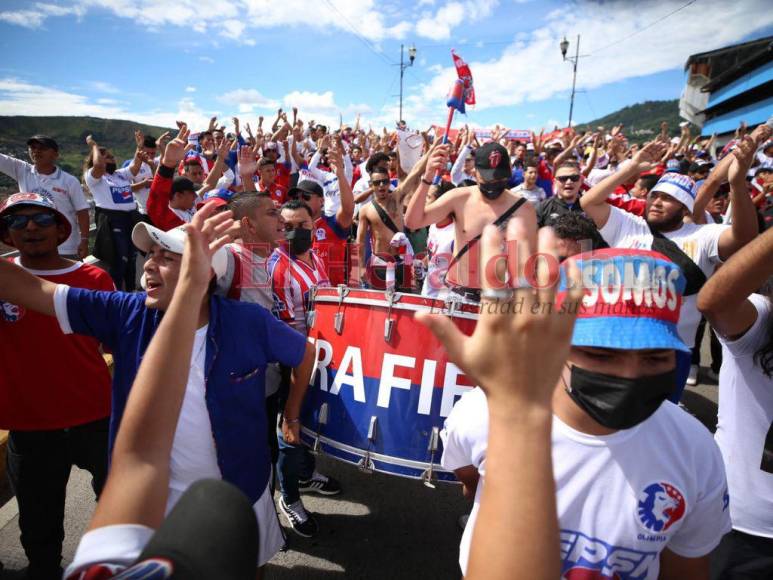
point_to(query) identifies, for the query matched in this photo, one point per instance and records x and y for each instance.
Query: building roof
(762, 54)
(751, 46)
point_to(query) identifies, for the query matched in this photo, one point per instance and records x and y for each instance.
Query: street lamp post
(403, 66)
(564, 47)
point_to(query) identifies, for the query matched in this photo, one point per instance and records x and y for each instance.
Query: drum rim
(333, 299)
(388, 459)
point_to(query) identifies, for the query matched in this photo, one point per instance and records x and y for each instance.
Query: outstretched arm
(594, 201)
(498, 357)
(419, 214)
(137, 486)
(724, 298)
(744, 226)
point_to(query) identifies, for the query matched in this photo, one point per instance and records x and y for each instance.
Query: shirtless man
(472, 208)
(382, 233)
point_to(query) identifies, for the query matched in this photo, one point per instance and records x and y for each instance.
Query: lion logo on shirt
(11, 312)
(660, 506)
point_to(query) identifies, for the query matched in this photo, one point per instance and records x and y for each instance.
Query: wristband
(424, 181)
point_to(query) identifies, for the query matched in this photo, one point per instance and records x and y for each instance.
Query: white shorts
(270, 536)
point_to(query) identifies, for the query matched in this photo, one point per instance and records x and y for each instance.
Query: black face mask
(300, 240)
(493, 189)
(616, 402)
(110, 168)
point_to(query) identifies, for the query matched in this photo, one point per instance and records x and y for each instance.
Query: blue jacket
(242, 339)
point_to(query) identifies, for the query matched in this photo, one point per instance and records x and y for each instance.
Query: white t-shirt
(534, 195)
(440, 247)
(329, 182)
(699, 241)
(112, 191)
(621, 498)
(193, 451)
(60, 187)
(141, 195)
(745, 420)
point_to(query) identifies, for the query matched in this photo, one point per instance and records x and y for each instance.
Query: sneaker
(301, 521)
(692, 378)
(321, 484)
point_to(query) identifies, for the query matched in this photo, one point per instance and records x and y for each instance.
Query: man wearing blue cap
(665, 228)
(640, 484)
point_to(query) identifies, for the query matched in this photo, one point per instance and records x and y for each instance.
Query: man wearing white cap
(222, 425)
(669, 202)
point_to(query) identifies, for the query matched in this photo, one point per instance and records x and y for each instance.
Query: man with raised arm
(472, 208)
(737, 301)
(222, 427)
(44, 177)
(697, 248)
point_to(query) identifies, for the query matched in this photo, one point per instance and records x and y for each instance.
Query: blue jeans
(295, 463)
(683, 362)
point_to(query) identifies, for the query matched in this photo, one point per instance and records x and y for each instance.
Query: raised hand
(650, 155)
(248, 161)
(90, 141)
(438, 159)
(139, 138)
(761, 134)
(175, 149)
(260, 123)
(744, 156)
(519, 326)
(212, 124)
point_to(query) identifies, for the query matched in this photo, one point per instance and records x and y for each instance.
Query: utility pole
(403, 65)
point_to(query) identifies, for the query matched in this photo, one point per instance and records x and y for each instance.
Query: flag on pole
(465, 75)
(456, 96)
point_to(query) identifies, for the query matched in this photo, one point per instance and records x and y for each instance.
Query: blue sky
(156, 60)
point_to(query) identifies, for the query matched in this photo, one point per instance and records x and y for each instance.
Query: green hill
(642, 121)
(70, 133)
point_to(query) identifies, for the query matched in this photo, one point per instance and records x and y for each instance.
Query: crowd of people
(213, 241)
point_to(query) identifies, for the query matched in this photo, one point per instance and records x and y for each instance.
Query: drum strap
(500, 222)
(692, 273)
(385, 217)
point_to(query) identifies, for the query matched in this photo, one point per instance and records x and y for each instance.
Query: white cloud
(234, 18)
(103, 87)
(531, 69)
(190, 89)
(438, 26)
(18, 97)
(247, 99)
(207, 59)
(36, 15)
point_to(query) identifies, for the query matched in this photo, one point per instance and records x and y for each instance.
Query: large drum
(383, 384)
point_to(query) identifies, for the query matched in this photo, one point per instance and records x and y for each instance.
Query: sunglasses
(18, 221)
(564, 178)
(379, 182)
(303, 195)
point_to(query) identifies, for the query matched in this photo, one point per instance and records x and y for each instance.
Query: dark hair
(443, 188)
(376, 159)
(265, 162)
(298, 204)
(532, 162)
(204, 134)
(393, 154)
(648, 181)
(576, 227)
(149, 141)
(246, 202)
(567, 165)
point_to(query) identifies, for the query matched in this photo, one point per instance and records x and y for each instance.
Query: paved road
(381, 527)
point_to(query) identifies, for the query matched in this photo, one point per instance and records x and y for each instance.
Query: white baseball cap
(145, 236)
